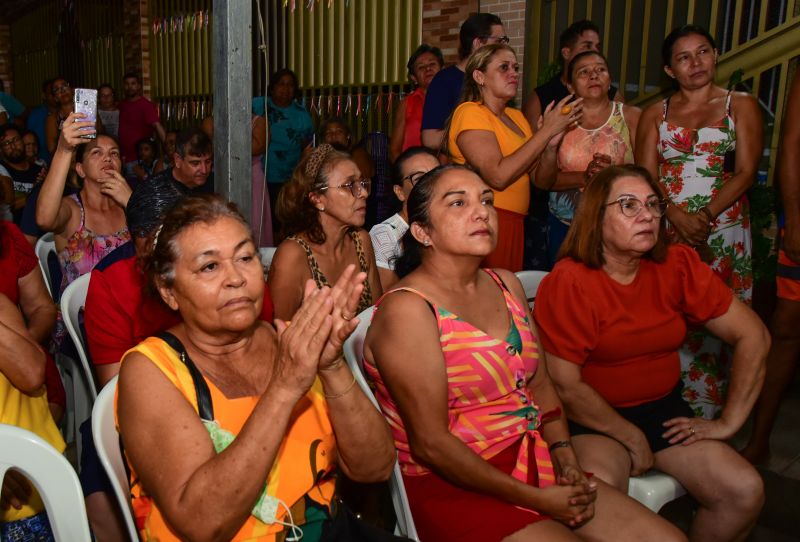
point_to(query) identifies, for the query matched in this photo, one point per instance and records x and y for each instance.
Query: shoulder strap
(507, 293)
(316, 273)
(728, 103)
(204, 404)
(413, 291)
(665, 109)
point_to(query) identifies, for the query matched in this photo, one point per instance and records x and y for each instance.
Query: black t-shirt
(207, 188)
(23, 180)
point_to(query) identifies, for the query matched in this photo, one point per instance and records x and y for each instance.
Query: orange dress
(301, 475)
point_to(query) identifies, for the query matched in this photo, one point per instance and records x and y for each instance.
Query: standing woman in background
(703, 144)
(497, 141)
(422, 66)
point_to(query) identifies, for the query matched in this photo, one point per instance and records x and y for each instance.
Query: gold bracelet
(335, 364)
(345, 392)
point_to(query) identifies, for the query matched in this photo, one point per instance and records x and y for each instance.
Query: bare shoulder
(651, 113)
(513, 284)
(744, 103)
(289, 252)
(631, 111)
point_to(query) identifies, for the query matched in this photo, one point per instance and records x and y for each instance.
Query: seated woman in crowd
(335, 131)
(612, 315)
(248, 406)
(604, 137)
(90, 224)
(422, 66)
(322, 210)
(498, 141)
(408, 168)
(24, 404)
(482, 444)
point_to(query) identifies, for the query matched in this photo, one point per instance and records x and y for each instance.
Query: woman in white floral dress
(704, 143)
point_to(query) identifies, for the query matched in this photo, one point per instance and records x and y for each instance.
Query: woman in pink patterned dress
(481, 440)
(703, 143)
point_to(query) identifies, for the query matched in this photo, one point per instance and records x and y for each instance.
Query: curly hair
(294, 208)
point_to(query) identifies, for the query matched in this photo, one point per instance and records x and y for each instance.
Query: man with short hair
(22, 175)
(138, 118)
(445, 89)
(192, 163)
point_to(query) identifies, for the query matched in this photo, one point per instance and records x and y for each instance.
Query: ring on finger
(347, 318)
(691, 430)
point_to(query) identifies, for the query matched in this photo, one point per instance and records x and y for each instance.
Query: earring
(427, 243)
(321, 209)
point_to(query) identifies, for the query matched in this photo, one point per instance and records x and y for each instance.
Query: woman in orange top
(257, 420)
(498, 142)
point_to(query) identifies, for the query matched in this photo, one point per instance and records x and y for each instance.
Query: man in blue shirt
(38, 116)
(445, 89)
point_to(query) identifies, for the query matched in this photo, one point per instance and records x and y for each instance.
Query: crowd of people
(508, 423)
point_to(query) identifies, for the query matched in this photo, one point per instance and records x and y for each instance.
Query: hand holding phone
(86, 103)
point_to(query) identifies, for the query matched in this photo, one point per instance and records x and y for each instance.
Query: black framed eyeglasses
(631, 207)
(414, 177)
(354, 187)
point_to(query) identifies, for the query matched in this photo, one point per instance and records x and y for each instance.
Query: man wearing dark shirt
(22, 174)
(445, 89)
(193, 161)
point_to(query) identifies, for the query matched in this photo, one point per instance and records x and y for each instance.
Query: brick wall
(441, 20)
(136, 27)
(512, 13)
(6, 71)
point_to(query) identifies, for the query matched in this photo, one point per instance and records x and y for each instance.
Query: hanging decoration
(180, 22)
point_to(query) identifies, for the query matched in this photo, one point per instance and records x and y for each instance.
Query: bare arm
(22, 361)
(741, 328)
(259, 136)
(205, 495)
(52, 212)
(160, 132)
(398, 132)
(749, 145)
(37, 306)
(373, 276)
(432, 138)
(789, 171)
(287, 277)
(646, 145)
(51, 132)
(482, 151)
(410, 361)
(588, 408)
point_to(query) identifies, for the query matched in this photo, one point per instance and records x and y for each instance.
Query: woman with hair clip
(322, 210)
(497, 141)
(481, 438)
(703, 144)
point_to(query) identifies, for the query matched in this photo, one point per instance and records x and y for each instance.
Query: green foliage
(550, 71)
(763, 206)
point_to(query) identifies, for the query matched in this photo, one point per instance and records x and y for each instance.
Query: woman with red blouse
(612, 315)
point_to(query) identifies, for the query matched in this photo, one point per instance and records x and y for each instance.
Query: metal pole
(232, 89)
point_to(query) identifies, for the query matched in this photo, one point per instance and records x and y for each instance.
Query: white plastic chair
(530, 282)
(52, 476)
(654, 489)
(77, 374)
(44, 247)
(353, 350)
(106, 440)
(266, 254)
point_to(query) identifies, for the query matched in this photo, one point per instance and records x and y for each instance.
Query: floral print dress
(693, 165)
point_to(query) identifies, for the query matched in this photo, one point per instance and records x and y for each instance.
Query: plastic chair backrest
(353, 351)
(106, 440)
(530, 282)
(53, 477)
(72, 301)
(45, 246)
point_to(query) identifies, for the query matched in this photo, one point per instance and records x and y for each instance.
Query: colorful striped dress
(490, 409)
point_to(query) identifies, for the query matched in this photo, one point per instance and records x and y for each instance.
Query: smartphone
(86, 103)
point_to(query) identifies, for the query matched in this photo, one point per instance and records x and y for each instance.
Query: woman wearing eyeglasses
(322, 209)
(612, 315)
(498, 142)
(604, 137)
(386, 237)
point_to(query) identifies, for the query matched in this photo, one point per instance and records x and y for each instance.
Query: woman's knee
(737, 484)
(605, 458)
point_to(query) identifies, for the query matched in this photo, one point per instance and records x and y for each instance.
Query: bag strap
(205, 406)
